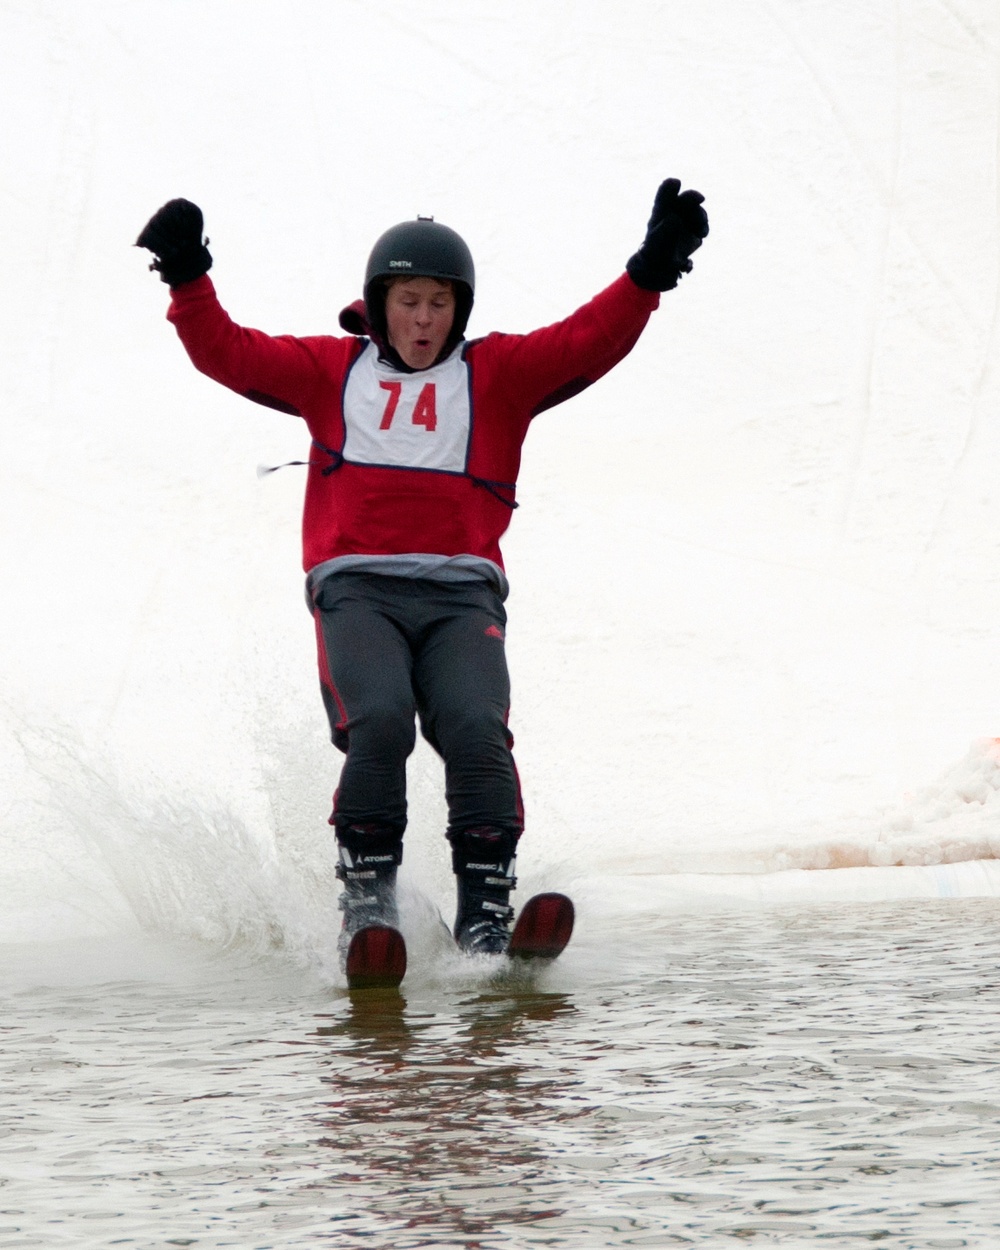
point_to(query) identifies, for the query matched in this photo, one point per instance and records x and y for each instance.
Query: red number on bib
(394, 389)
(425, 413)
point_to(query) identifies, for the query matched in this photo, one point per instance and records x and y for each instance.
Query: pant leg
(368, 692)
(463, 696)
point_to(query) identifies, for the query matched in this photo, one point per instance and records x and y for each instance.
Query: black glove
(675, 230)
(173, 235)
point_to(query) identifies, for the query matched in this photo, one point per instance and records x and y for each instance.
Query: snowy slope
(756, 572)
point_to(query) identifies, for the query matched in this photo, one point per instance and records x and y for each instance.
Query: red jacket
(411, 462)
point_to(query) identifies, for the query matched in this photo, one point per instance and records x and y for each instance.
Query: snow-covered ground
(756, 570)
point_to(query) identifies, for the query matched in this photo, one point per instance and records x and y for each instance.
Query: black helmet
(420, 249)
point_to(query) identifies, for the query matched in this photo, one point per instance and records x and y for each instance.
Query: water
(782, 1076)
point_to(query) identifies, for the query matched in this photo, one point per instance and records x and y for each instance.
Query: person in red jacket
(416, 442)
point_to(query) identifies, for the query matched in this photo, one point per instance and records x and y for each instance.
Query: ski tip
(376, 959)
(543, 928)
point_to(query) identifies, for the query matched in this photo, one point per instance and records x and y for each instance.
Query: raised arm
(283, 372)
(554, 363)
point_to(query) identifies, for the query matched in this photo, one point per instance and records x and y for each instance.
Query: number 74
(424, 410)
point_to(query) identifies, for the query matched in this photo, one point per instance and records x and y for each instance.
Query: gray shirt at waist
(432, 568)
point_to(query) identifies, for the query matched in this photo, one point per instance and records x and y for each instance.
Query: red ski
(543, 928)
(376, 959)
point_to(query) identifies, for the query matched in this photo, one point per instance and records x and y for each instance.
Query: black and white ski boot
(483, 860)
(368, 861)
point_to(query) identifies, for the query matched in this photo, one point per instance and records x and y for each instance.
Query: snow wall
(756, 570)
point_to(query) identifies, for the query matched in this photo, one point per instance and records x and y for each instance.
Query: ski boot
(483, 860)
(368, 860)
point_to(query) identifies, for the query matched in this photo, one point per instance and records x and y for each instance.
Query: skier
(416, 439)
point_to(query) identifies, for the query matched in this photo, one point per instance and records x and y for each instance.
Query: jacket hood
(354, 319)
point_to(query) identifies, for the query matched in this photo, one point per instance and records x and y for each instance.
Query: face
(419, 314)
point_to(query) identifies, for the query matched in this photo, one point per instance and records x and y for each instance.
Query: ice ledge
(684, 891)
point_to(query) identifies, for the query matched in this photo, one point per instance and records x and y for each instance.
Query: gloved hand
(675, 230)
(173, 235)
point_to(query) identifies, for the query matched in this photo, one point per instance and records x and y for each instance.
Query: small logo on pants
(494, 631)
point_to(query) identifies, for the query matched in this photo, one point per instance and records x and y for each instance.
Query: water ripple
(780, 1078)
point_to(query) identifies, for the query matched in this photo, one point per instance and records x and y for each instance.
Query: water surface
(813, 1075)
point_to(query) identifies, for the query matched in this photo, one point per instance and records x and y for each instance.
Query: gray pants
(393, 649)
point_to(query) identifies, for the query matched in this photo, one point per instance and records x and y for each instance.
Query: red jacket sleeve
(284, 372)
(558, 361)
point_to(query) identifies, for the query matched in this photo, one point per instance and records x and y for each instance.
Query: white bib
(407, 420)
